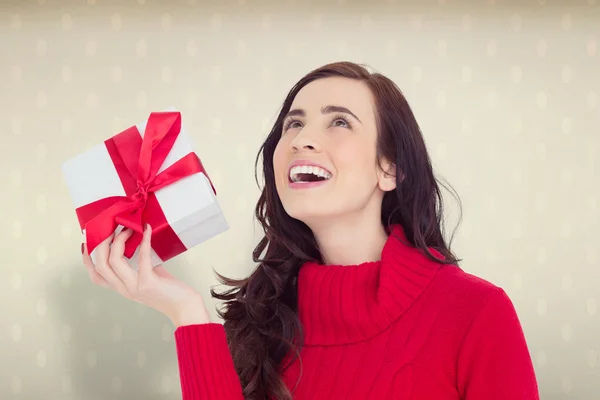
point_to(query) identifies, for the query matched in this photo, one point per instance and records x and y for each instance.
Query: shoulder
(469, 297)
(455, 306)
(462, 312)
(468, 286)
(489, 347)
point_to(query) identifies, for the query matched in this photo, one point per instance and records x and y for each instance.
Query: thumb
(145, 259)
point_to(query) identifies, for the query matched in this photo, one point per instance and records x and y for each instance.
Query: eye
(342, 122)
(291, 123)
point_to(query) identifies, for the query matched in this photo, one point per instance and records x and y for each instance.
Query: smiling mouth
(308, 173)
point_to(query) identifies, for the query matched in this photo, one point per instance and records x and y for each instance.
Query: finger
(95, 277)
(104, 268)
(145, 261)
(118, 262)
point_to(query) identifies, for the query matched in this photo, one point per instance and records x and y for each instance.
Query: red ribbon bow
(137, 162)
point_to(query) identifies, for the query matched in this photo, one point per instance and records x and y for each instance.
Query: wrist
(192, 312)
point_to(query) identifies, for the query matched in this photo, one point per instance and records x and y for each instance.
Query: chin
(308, 213)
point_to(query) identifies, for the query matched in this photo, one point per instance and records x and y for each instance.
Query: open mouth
(308, 173)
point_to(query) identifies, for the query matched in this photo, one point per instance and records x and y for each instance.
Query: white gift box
(189, 205)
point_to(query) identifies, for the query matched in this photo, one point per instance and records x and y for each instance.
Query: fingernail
(81, 248)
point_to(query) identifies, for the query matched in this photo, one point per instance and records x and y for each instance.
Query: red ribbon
(137, 162)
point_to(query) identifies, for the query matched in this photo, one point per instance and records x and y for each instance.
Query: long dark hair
(260, 312)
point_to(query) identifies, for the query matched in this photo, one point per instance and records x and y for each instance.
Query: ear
(387, 176)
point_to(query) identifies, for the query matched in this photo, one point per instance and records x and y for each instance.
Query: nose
(305, 141)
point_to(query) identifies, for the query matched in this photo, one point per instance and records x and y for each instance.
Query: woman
(357, 296)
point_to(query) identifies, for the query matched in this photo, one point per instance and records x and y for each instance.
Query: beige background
(507, 93)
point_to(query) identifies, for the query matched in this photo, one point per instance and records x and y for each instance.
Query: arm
(206, 367)
(494, 361)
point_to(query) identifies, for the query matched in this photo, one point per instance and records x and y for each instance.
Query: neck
(351, 240)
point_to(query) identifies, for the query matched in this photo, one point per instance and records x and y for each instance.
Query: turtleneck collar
(341, 304)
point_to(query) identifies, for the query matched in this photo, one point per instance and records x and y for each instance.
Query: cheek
(279, 160)
(355, 163)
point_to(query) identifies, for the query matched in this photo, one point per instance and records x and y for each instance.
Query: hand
(151, 286)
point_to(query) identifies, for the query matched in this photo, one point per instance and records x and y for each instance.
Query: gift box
(149, 173)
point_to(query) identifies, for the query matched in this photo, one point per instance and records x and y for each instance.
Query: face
(325, 162)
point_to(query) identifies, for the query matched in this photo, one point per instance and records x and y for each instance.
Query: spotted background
(506, 93)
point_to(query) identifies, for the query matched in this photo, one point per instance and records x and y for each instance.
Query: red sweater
(400, 328)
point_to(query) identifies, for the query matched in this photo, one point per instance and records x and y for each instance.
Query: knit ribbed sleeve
(206, 367)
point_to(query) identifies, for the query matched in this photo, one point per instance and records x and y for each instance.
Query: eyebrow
(325, 110)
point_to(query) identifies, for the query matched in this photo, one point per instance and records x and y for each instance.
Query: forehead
(350, 93)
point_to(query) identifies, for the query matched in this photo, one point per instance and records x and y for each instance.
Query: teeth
(308, 169)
